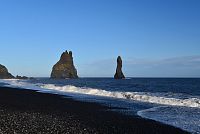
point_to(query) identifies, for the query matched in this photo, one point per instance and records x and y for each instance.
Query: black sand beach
(25, 111)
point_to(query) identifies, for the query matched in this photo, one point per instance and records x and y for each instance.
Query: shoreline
(27, 111)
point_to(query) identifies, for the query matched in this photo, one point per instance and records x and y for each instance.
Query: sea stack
(4, 74)
(64, 68)
(119, 74)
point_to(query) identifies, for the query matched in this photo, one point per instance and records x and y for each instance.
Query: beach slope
(26, 111)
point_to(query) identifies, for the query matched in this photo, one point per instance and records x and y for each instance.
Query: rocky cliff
(119, 74)
(4, 74)
(64, 68)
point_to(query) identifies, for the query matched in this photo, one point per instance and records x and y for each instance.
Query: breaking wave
(169, 99)
(157, 98)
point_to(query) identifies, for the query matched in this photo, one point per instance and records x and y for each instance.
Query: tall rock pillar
(119, 74)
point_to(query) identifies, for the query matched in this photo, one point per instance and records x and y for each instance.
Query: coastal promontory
(64, 68)
(119, 74)
(4, 74)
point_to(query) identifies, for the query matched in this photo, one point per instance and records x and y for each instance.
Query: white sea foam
(16, 83)
(181, 117)
(137, 96)
(156, 98)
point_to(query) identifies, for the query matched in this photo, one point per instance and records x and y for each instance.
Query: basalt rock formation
(64, 68)
(4, 74)
(21, 77)
(119, 74)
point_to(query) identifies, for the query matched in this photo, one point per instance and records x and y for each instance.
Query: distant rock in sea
(21, 77)
(64, 68)
(119, 74)
(4, 74)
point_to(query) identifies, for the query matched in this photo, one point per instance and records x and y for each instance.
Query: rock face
(4, 74)
(64, 68)
(119, 74)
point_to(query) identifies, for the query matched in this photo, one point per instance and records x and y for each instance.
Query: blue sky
(156, 38)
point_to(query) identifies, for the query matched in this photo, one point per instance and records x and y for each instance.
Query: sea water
(173, 101)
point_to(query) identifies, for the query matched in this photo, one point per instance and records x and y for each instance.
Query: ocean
(172, 101)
